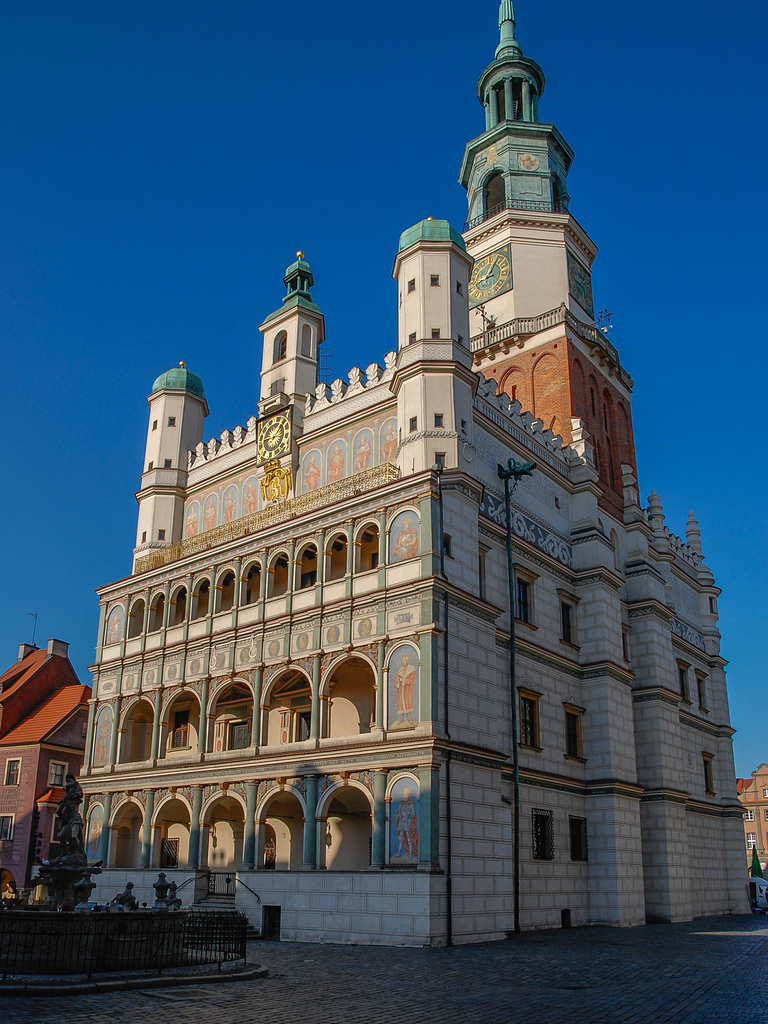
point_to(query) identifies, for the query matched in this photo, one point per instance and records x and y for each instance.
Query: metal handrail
(250, 890)
(534, 205)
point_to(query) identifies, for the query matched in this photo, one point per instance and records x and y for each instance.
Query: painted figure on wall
(363, 449)
(405, 537)
(403, 689)
(95, 826)
(311, 471)
(102, 735)
(388, 440)
(404, 825)
(336, 461)
(250, 496)
(193, 514)
(115, 625)
(211, 508)
(230, 504)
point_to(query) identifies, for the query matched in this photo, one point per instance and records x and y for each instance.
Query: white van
(757, 891)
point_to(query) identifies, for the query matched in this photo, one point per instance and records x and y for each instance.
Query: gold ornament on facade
(277, 483)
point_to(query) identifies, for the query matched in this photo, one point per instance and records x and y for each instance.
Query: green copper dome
(179, 378)
(430, 230)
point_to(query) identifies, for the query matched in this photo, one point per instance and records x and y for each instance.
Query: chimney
(57, 647)
(24, 650)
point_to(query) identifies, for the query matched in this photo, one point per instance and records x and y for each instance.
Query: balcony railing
(311, 501)
(534, 205)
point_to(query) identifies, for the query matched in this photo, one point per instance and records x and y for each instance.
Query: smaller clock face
(274, 437)
(491, 274)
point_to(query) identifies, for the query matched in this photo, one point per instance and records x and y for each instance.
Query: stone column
(379, 837)
(158, 701)
(113, 736)
(194, 827)
(310, 823)
(382, 547)
(291, 576)
(380, 683)
(249, 840)
(202, 732)
(188, 606)
(535, 104)
(256, 710)
(145, 620)
(146, 840)
(320, 568)
(211, 600)
(350, 525)
(103, 853)
(102, 625)
(527, 107)
(429, 817)
(166, 612)
(314, 722)
(236, 596)
(88, 753)
(126, 611)
(509, 101)
(494, 107)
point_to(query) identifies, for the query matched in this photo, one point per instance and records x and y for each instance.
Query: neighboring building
(753, 794)
(43, 714)
(304, 682)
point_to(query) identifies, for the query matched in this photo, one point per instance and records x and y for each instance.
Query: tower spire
(508, 45)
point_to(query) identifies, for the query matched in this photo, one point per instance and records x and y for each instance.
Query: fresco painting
(229, 504)
(250, 496)
(404, 821)
(115, 624)
(95, 826)
(403, 688)
(102, 735)
(211, 511)
(362, 450)
(388, 440)
(310, 470)
(193, 519)
(337, 460)
(404, 536)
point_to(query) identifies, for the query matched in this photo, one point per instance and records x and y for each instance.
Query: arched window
(336, 558)
(494, 194)
(368, 548)
(178, 607)
(279, 575)
(136, 619)
(253, 583)
(308, 567)
(306, 340)
(203, 597)
(156, 614)
(227, 591)
(281, 346)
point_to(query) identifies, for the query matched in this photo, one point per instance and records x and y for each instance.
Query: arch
(126, 826)
(156, 613)
(102, 735)
(182, 723)
(177, 611)
(404, 542)
(232, 713)
(172, 821)
(201, 598)
(403, 687)
(224, 819)
(494, 193)
(545, 385)
(136, 726)
(136, 619)
(347, 811)
(252, 582)
(403, 800)
(306, 341)
(616, 551)
(306, 566)
(367, 547)
(624, 435)
(288, 708)
(336, 557)
(280, 346)
(115, 625)
(514, 382)
(283, 812)
(94, 827)
(278, 574)
(351, 706)
(592, 398)
(225, 590)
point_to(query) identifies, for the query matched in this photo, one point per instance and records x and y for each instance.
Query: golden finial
(182, 364)
(430, 218)
(300, 254)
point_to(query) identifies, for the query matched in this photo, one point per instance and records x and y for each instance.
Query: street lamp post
(514, 471)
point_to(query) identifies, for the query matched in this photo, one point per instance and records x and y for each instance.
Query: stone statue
(126, 899)
(70, 823)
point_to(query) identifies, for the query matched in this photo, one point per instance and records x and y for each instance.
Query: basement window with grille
(543, 832)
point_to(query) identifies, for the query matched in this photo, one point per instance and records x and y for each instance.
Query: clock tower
(530, 293)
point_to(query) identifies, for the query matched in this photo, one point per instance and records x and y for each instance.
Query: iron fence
(221, 883)
(43, 942)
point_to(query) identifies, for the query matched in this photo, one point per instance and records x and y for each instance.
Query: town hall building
(302, 694)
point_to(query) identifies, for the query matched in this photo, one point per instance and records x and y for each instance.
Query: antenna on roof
(34, 627)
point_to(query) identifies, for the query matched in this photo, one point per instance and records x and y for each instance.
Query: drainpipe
(449, 822)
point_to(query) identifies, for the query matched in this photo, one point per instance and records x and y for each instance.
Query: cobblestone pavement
(709, 972)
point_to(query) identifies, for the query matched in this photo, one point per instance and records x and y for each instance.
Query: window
(438, 419)
(161, 534)
(751, 839)
(167, 464)
(12, 772)
(523, 591)
(434, 280)
(460, 339)
(413, 425)
(712, 606)
(281, 346)
(481, 571)
(56, 773)
(412, 338)
(625, 644)
(701, 689)
(459, 289)
(277, 386)
(765, 812)
(171, 421)
(154, 424)
(435, 332)
(765, 794)
(682, 677)
(447, 545)
(543, 833)
(150, 466)
(180, 735)
(463, 426)
(566, 622)
(529, 720)
(6, 827)
(573, 732)
(709, 782)
(440, 460)
(578, 830)
(143, 536)
(749, 815)
(412, 285)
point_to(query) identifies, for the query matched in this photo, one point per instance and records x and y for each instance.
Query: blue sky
(163, 162)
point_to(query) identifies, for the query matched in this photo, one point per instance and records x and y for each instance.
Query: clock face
(490, 275)
(274, 437)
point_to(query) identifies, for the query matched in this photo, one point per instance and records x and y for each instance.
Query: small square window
(765, 794)
(413, 424)
(171, 421)
(529, 721)
(6, 827)
(749, 815)
(56, 773)
(167, 464)
(434, 280)
(440, 460)
(578, 830)
(765, 812)
(751, 840)
(154, 424)
(150, 466)
(543, 834)
(435, 332)
(459, 288)
(161, 534)
(412, 338)
(412, 285)
(143, 536)
(438, 419)
(12, 772)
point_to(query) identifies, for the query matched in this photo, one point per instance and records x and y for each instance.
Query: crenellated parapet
(358, 381)
(509, 412)
(227, 441)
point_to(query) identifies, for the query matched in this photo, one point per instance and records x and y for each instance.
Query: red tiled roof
(741, 785)
(48, 715)
(52, 796)
(15, 676)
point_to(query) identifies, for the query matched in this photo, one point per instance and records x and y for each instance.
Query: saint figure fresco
(115, 625)
(311, 471)
(404, 537)
(363, 448)
(230, 504)
(102, 734)
(388, 440)
(336, 461)
(193, 513)
(211, 508)
(250, 496)
(403, 688)
(404, 822)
